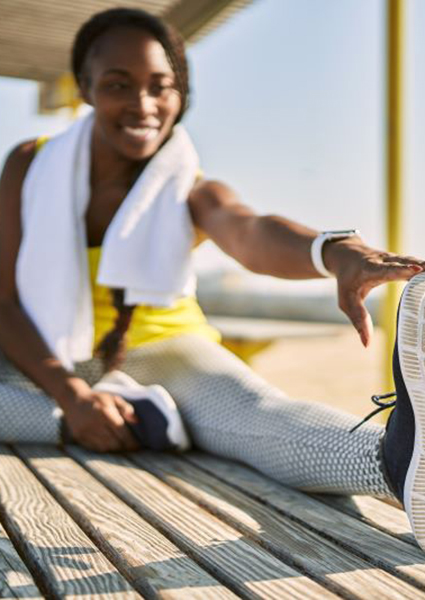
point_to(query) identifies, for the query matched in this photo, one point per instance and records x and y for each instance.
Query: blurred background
(289, 108)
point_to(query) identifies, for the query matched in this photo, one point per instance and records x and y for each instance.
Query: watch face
(343, 233)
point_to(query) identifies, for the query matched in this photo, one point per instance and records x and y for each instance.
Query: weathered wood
(239, 563)
(379, 514)
(15, 579)
(378, 548)
(152, 564)
(331, 565)
(63, 560)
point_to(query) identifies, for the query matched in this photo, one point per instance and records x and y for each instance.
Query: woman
(125, 179)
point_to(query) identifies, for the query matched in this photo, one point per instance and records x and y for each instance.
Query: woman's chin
(139, 149)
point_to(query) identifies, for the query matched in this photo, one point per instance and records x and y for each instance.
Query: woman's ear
(85, 90)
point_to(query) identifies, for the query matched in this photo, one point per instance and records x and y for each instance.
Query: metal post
(394, 167)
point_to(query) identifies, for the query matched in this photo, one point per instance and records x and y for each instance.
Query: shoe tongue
(399, 437)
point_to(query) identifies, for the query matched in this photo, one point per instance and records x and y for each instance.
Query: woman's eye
(161, 89)
(117, 86)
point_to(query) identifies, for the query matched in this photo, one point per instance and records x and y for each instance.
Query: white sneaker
(160, 425)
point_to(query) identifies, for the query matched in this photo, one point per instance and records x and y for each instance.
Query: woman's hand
(359, 269)
(97, 420)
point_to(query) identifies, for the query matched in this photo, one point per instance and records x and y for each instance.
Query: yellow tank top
(149, 323)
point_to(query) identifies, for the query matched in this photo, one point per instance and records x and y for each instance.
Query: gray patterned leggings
(229, 411)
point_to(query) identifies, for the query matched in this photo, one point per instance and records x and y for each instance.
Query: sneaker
(160, 426)
(404, 439)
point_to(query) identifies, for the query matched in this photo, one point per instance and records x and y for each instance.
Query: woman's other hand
(358, 269)
(97, 420)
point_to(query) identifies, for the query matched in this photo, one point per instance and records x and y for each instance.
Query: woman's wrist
(335, 252)
(69, 390)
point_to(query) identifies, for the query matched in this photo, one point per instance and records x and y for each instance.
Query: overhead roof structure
(36, 35)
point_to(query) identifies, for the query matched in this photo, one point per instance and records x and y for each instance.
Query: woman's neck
(108, 167)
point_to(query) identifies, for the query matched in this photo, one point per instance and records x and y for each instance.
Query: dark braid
(172, 42)
(112, 348)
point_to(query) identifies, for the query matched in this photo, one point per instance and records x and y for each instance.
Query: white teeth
(141, 133)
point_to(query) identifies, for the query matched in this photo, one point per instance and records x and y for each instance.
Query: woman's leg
(27, 415)
(232, 412)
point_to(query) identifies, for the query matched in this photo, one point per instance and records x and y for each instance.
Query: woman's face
(131, 86)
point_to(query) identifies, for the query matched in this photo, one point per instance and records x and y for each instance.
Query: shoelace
(381, 406)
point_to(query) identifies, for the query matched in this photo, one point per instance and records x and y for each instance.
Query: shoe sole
(411, 350)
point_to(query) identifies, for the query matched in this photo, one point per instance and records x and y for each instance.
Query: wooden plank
(381, 515)
(237, 562)
(378, 548)
(152, 564)
(15, 579)
(62, 559)
(332, 566)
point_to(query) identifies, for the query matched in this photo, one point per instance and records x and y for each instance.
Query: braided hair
(112, 348)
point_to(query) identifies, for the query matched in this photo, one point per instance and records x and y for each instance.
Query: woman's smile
(141, 133)
(131, 85)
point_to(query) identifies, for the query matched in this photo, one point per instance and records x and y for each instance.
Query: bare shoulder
(19, 160)
(210, 193)
(206, 200)
(14, 171)
(216, 209)
(13, 174)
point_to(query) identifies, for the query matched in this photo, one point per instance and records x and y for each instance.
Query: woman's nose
(144, 103)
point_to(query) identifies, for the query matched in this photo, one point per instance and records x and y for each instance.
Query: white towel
(146, 249)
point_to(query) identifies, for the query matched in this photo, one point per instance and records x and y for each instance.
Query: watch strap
(316, 250)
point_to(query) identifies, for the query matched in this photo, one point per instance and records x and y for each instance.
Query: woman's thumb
(126, 410)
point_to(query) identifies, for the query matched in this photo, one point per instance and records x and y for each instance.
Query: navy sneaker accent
(403, 443)
(151, 430)
(398, 441)
(160, 426)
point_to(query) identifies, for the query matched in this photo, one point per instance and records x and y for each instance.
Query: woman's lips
(141, 134)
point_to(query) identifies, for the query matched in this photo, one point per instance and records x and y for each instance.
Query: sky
(288, 108)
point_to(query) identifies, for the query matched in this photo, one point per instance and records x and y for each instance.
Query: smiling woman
(127, 76)
(97, 229)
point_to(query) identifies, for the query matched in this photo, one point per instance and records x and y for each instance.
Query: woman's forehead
(127, 48)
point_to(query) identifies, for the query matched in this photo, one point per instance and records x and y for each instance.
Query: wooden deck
(75, 524)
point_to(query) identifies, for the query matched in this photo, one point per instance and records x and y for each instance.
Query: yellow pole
(394, 167)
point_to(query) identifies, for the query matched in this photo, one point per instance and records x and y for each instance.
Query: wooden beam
(191, 17)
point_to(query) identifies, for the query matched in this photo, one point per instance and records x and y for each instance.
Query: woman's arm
(96, 420)
(273, 245)
(270, 245)
(19, 339)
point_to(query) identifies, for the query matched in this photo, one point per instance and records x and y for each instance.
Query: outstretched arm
(273, 245)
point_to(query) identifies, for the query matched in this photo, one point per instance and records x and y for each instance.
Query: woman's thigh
(227, 407)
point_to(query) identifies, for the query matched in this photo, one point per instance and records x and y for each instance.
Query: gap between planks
(324, 561)
(61, 558)
(152, 564)
(242, 565)
(378, 548)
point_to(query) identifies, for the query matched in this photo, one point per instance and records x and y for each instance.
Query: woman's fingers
(404, 260)
(353, 306)
(112, 433)
(126, 410)
(124, 438)
(102, 441)
(124, 433)
(394, 271)
(120, 430)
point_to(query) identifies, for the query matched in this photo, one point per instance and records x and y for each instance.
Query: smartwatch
(317, 247)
